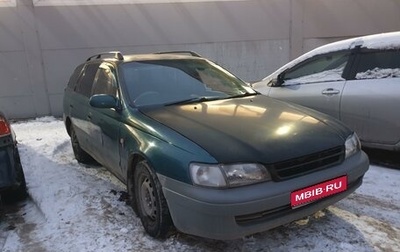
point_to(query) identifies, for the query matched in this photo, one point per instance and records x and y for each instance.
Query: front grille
(307, 164)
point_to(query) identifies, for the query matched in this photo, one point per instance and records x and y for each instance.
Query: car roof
(143, 57)
(389, 40)
(119, 57)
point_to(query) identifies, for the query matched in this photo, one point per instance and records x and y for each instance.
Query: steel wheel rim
(148, 199)
(75, 142)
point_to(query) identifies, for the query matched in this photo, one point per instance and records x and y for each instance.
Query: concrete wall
(41, 41)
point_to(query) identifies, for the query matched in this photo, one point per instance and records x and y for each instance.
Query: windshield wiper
(243, 95)
(195, 100)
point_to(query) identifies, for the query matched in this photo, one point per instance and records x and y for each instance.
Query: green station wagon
(200, 150)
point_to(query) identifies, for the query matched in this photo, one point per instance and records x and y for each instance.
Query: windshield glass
(165, 82)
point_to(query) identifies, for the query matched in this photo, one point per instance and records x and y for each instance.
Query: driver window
(322, 68)
(104, 81)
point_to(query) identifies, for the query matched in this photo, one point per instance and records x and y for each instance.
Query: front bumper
(236, 212)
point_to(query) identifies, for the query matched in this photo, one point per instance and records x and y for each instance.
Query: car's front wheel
(152, 206)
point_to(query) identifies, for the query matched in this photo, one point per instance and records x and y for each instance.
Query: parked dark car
(12, 179)
(356, 81)
(200, 150)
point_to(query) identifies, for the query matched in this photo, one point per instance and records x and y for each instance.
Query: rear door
(316, 83)
(78, 106)
(370, 101)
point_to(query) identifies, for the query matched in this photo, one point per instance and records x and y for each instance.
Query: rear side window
(73, 80)
(378, 65)
(85, 81)
(327, 67)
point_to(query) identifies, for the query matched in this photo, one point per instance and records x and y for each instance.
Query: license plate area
(312, 193)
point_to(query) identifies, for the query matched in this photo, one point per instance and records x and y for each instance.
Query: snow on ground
(78, 208)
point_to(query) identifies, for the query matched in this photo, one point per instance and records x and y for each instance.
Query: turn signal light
(4, 127)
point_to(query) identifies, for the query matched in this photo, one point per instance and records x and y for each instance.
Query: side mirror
(278, 81)
(104, 101)
(273, 82)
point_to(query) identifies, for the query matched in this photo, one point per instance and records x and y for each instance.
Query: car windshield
(168, 82)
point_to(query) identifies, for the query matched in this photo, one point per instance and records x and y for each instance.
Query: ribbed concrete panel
(73, 27)
(112, 2)
(15, 80)
(18, 106)
(10, 30)
(341, 18)
(8, 3)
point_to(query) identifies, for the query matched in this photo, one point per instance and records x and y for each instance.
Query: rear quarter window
(378, 65)
(73, 80)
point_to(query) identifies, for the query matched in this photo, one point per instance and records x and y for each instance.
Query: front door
(316, 83)
(106, 121)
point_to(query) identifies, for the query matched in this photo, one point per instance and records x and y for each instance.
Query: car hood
(252, 129)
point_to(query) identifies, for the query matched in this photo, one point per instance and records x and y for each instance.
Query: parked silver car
(355, 80)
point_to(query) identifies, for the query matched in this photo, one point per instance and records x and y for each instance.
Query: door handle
(330, 91)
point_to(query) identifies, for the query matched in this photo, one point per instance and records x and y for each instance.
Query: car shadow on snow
(12, 218)
(8, 211)
(389, 159)
(323, 231)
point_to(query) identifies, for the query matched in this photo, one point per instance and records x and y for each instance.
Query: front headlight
(215, 175)
(352, 145)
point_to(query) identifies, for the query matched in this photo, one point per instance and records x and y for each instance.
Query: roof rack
(115, 54)
(180, 52)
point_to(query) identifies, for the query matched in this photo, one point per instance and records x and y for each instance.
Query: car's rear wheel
(151, 204)
(80, 155)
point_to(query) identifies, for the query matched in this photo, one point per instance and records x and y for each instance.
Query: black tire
(18, 193)
(151, 204)
(80, 155)
(130, 185)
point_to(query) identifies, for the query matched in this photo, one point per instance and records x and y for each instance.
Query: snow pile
(378, 73)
